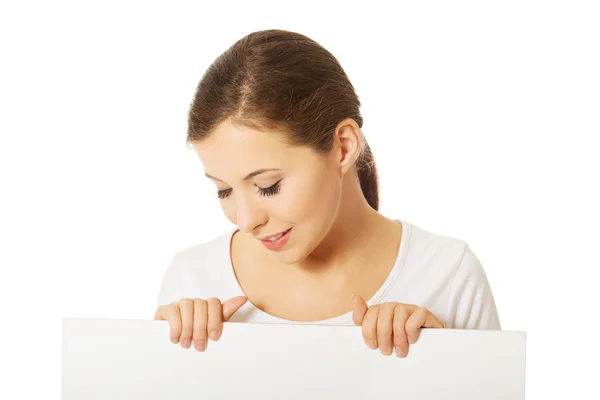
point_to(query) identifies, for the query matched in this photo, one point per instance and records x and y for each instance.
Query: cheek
(313, 199)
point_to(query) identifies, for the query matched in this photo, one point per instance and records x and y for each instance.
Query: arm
(471, 303)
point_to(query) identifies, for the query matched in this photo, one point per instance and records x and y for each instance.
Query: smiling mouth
(275, 237)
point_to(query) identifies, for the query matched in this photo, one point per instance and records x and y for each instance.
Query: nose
(249, 214)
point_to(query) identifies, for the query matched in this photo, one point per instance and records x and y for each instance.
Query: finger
(200, 322)
(433, 321)
(414, 322)
(215, 322)
(369, 327)
(172, 315)
(186, 307)
(359, 309)
(385, 329)
(401, 314)
(232, 305)
(159, 315)
(420, 318)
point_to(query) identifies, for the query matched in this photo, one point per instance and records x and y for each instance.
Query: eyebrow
(250, 175)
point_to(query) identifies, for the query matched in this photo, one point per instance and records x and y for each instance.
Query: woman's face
(267, 187)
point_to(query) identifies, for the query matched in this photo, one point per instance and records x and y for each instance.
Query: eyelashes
(223, 193)
(270, 191)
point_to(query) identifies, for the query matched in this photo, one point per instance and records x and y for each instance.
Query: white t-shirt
(437, 272)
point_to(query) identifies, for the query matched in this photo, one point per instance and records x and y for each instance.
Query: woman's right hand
(197, 320)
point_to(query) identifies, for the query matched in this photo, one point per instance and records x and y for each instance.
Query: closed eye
(270, 191)
(224, 193)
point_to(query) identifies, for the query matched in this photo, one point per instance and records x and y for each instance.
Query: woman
(276, 124)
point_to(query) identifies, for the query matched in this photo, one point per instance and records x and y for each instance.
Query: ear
(347, 144)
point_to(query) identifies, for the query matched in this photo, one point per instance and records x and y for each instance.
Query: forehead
(232, 145)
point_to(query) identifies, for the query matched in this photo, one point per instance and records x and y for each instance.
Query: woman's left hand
(390, 326)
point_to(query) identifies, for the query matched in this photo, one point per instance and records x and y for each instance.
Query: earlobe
(349, 141)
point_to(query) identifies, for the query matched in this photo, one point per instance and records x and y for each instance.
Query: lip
(278, 244)
(272, 236)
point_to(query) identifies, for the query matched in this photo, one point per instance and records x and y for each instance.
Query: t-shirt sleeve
(170, 284)
(471, 304)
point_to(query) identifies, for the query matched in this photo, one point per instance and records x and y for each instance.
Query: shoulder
(444, 273)
(215, 249)
(199, 271)
(433, 252)
(449, 258)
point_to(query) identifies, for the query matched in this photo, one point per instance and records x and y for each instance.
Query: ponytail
(367, 175)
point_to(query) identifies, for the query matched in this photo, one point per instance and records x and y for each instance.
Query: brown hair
(276, 79)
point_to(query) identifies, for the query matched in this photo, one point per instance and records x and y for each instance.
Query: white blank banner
(134, 359)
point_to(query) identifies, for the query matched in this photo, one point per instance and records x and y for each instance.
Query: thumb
(232, 305)
(359, 309)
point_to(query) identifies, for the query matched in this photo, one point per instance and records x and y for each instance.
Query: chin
(290, 257)
(296, 251)
(295, 254)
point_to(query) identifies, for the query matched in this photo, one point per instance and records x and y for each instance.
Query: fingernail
(174, 340)
(371, 344)
(200, 345)
(214, 335)
(385, 351)
(410, 340)
(186, 343)
(398, 351)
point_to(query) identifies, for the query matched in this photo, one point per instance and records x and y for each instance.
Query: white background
(484, 118)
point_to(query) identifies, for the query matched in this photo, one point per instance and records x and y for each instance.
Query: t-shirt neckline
(343, 318)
